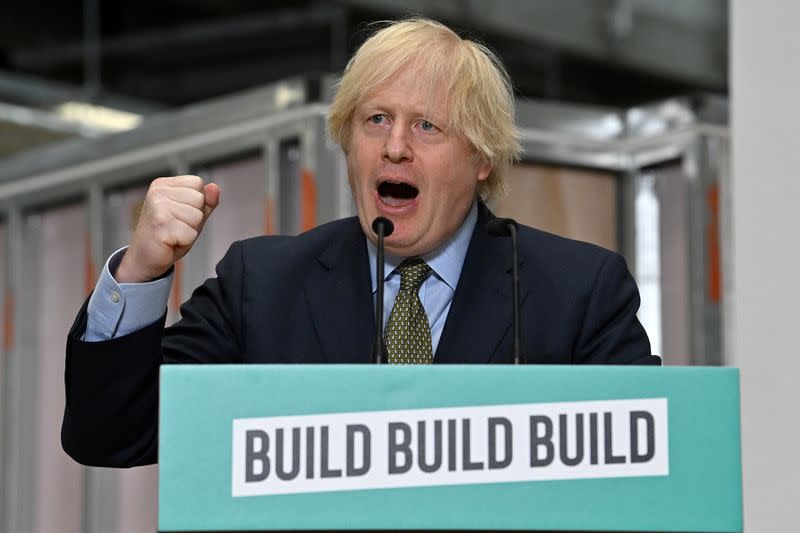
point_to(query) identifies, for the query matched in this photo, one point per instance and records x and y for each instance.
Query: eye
(377, 119)
(427, 126)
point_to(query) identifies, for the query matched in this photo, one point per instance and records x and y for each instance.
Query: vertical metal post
(693, 163)
(709, 236)
(720, 153)
(272, 179)
(346, 206)
(328, 174)
(290, 176)
(101, 485)
(20, 405)
(310, 178)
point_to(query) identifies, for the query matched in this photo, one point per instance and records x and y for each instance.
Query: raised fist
(174, 212)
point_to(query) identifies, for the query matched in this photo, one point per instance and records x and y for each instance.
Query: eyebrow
(424, 114)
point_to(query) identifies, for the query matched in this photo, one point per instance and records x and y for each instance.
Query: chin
(400, 248)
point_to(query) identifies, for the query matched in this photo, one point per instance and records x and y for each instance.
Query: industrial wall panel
(576, 203)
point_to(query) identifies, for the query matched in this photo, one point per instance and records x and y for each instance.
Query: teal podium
(450, 447)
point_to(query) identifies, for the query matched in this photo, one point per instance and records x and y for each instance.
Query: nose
(397, 148)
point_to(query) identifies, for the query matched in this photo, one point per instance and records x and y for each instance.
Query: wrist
(127, 271)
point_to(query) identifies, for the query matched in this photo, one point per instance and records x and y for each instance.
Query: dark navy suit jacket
(308, 299)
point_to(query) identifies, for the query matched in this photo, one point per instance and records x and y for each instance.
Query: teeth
(395, 202)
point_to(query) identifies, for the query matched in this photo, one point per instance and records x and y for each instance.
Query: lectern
(449, 447)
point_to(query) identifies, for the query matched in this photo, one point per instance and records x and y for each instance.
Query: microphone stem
(380, 348)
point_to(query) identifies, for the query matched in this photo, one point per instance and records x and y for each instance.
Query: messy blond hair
(479, 97)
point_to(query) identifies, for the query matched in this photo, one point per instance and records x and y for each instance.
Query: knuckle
(197, 217)
(160, 217)
(189, 196)
(185, 235)
(154, 194)
(161, 235)
(159, 182)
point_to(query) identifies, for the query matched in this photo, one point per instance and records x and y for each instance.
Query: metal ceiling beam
(196, 84)
(684, 41)
(38, 92)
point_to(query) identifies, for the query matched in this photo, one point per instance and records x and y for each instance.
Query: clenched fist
(173, 215)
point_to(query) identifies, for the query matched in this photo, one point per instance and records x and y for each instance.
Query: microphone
(507, 227)
(382, 227)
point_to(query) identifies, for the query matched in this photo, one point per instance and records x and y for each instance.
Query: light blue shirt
(436, 292)
(116, 309)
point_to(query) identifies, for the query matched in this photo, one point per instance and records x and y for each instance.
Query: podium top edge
(449, 368)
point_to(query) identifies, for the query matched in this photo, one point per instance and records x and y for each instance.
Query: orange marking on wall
(177, 288)
(89, 269)
(8, 322)
(269, 215)
(712, 232)
(308, 200)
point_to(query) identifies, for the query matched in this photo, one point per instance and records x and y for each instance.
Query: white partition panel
(576, 203)
(60, 235)
(242, 209)
(122, 209)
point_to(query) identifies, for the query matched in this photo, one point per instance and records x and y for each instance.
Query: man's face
(403, 165)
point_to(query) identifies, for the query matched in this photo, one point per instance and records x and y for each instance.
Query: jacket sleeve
(111, 413)
(611, 333)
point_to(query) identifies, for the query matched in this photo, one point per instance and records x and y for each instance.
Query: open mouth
(397, 194)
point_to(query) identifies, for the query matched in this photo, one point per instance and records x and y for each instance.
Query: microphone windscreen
(499, 227)
(388, 227)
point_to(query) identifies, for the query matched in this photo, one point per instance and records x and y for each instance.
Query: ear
(484, 170)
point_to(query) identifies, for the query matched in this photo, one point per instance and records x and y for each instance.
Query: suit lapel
(340, 299)
(480, 315)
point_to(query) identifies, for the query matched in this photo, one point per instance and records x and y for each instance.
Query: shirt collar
(446, 261)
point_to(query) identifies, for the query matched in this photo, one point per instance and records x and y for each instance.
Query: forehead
(412, 89)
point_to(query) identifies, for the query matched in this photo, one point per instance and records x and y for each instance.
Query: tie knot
(412, 273)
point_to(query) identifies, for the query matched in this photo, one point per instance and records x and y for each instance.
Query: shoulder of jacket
(315, 238)
(539, 241)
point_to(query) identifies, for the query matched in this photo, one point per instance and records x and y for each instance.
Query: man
(425, 120)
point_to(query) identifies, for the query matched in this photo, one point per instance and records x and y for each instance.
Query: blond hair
(474, 82)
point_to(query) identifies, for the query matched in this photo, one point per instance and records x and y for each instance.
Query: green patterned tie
(408, 334)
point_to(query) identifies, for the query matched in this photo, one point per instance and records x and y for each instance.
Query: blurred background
(624, 108)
